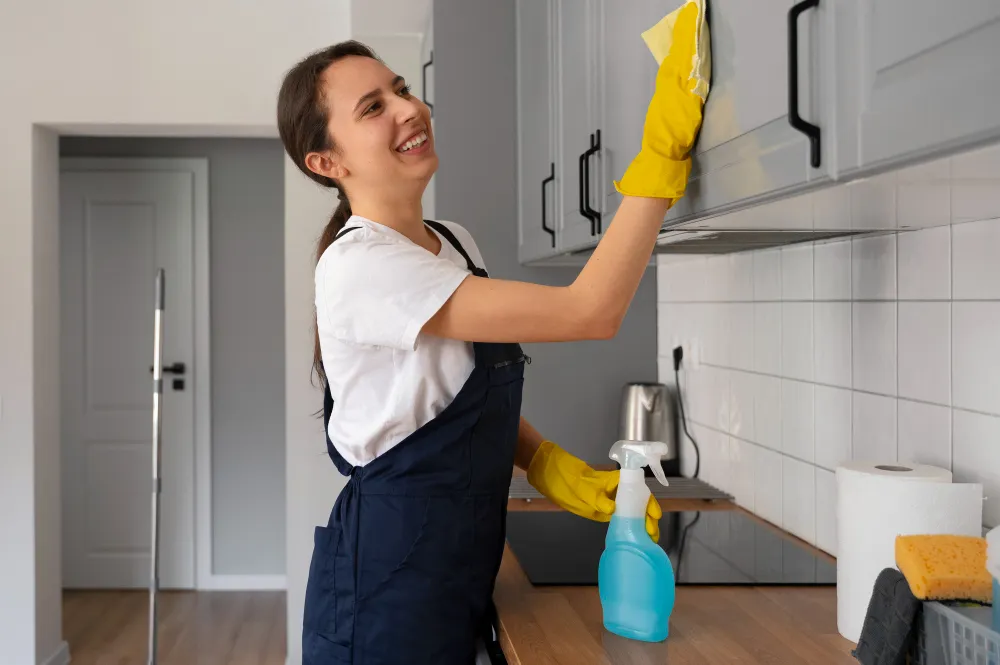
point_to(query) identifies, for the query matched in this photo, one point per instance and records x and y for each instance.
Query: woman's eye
(405, 91)
(374, 107)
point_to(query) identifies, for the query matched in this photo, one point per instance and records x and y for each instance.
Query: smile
(415, 142)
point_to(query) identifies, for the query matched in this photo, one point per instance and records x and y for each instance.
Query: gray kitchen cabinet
(921, 78)
(747, 149)
(578, 112)
(628, 72)
(538, 177)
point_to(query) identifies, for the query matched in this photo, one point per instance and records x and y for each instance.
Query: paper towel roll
(877, 502)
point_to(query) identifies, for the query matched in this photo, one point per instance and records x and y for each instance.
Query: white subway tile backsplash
(767, 338)
(977, 259)
(925, 264)
(742, 456)
(832, 208)
(797, 340)
(873, 276)
(826, 511)
(743, 389)
(797, 272)
(768, 485)
(882, 348)
(798, 514)
(741, 333)
(833, 343)
(798, 422)
(833, 426)
(924, 204)
(975, 200)
(832, 270)
(976, 356)
(767, 275)
(924, 433)
(874, 347)
(874, 428)
(767, 412)
(976, 458)
(741, 274)
(925, 351)
(873, 202)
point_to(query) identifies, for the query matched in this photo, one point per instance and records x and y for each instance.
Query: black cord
(678, 357)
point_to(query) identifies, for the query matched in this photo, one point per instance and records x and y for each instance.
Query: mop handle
(154, 577)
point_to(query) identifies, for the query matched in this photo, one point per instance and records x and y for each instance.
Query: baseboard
(59, 657)
(244, 583)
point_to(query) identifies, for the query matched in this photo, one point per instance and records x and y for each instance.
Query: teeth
(412, 143)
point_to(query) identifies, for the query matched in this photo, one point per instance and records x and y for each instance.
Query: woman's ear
(326, 164)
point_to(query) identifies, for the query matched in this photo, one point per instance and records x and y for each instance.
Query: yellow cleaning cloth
(680, 44)
(660, 37)
(945, 567)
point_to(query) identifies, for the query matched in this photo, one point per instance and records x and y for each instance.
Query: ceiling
(377, 17)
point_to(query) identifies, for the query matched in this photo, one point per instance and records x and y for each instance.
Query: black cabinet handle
(807, 128)
(176, 368)
(552, 176)
(595, 216)
(423, 86)
(582, 190)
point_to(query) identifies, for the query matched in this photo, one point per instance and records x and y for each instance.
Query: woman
(419, 353)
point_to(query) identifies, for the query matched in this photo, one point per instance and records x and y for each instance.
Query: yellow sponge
(945, 567)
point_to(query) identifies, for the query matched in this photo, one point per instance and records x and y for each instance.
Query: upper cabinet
(804, 94)
(763, 53)
(538, 183)
(918, 78)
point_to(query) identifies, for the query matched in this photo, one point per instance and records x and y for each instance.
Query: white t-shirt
(375, 290)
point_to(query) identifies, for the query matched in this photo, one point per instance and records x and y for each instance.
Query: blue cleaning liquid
(635, 582)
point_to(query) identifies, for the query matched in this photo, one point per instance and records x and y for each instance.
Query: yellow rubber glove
(573, 485)
(674, 116)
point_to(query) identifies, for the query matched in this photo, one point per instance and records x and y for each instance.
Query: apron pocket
(323, 626)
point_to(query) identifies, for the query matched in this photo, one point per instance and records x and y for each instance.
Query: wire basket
(956, 636)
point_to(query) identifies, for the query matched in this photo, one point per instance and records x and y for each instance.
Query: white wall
(884, 348)
(180, 68)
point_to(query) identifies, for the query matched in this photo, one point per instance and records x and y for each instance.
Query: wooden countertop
(709, 625)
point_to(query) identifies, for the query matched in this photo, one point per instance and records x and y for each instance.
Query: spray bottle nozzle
(637, 454)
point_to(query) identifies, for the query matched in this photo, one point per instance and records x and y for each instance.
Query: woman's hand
(573, 485)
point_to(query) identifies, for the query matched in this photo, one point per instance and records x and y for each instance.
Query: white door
(117, 228)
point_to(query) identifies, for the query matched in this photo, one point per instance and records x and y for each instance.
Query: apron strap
(450, 237)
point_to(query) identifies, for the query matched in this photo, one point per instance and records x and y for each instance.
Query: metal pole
(154, 577)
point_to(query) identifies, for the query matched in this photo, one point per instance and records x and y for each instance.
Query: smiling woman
(418, 350)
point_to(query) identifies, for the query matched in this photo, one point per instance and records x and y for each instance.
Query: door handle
(176, 368)
(595, 216)
(423, 86)
(552, 176)
(807, 128)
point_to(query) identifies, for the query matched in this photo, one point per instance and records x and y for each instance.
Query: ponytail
(333, 227)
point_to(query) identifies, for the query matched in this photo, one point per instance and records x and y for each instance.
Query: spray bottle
(635, 576)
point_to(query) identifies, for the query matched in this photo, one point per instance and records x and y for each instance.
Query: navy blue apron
(404, 571)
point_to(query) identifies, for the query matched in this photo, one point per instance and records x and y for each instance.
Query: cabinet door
(537, 181)
(576, 117)
(747, 147)
(628, 78)
(926, 80)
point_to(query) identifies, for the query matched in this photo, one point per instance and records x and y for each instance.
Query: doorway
(120, 221)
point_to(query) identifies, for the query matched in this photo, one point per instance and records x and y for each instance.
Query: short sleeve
(381, 292)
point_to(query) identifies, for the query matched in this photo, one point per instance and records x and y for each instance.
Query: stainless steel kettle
(649, 413)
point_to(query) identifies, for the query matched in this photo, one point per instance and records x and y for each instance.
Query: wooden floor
(204, 628)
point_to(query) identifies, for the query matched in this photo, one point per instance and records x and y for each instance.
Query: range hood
(728, 241)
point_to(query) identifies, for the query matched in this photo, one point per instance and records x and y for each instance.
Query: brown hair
(303, 115)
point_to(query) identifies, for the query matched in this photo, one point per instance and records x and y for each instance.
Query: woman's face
(382, 132)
